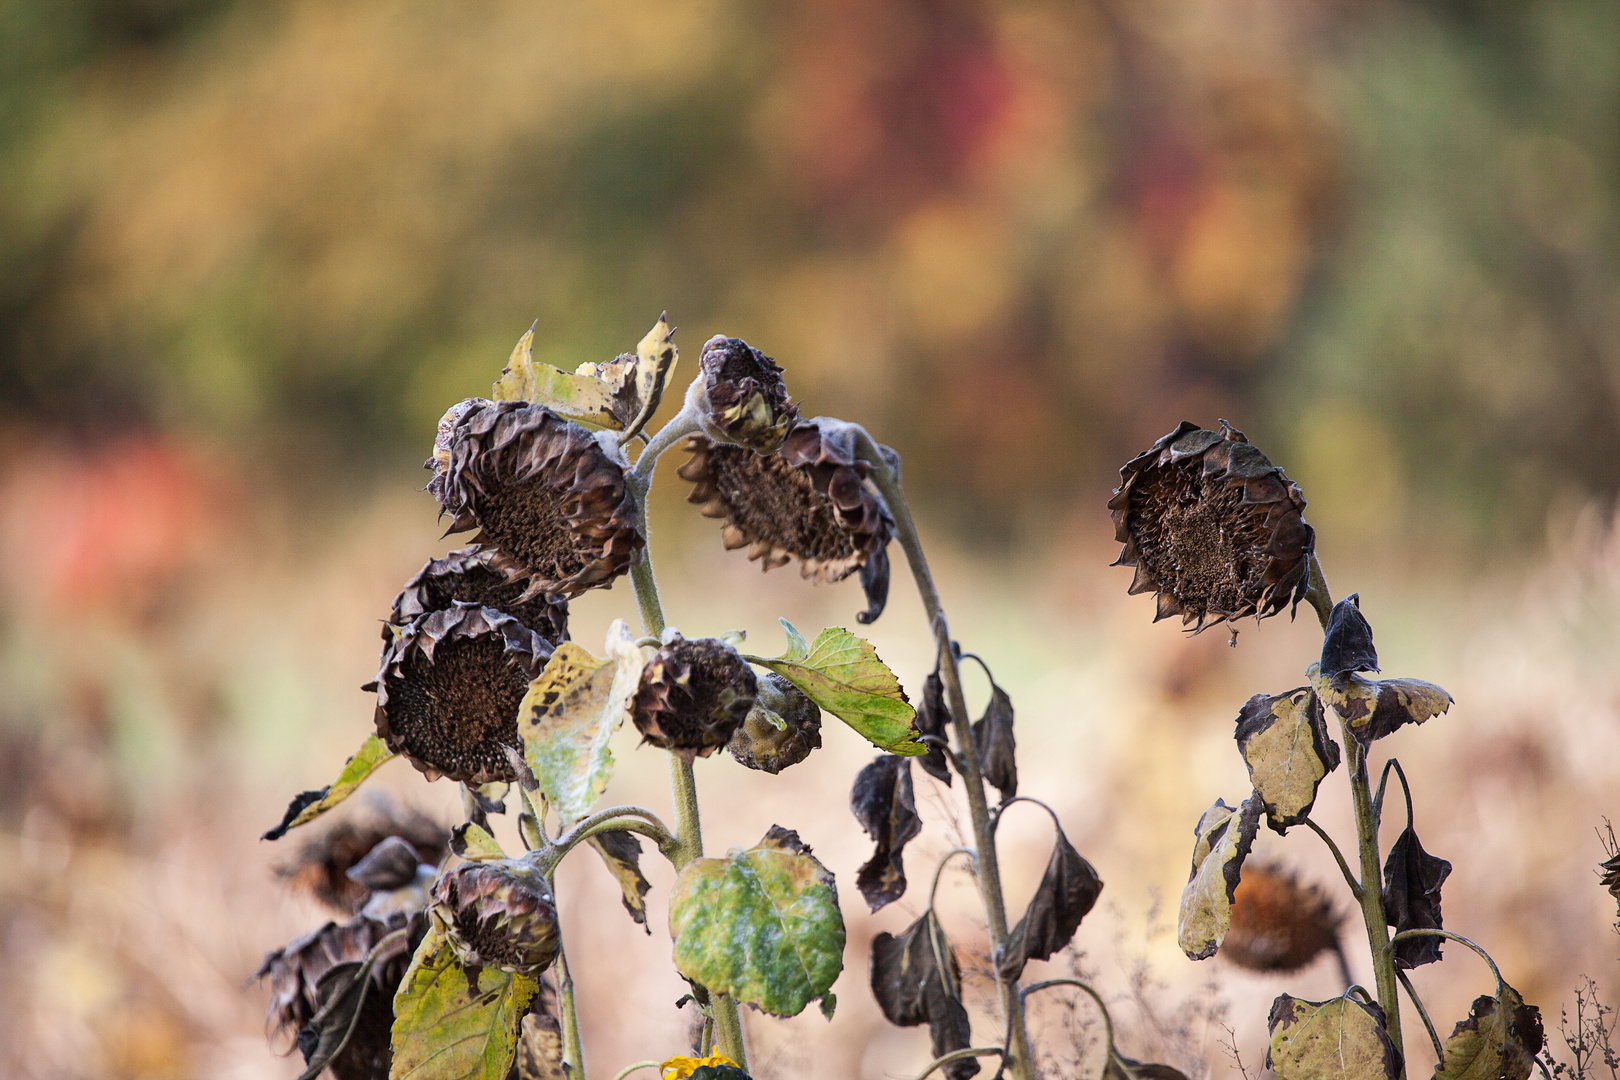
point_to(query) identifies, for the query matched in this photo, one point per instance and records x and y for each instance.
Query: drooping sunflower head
(1279, 924)
(548, 497)
(449, 689)
(497, 914)
(693, 696)
(322, 866)
(1213, 527)
(745, 401)
(760, 744)
(469, 575)
(808, 501)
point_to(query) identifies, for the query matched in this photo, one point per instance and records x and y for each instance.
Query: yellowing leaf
(312, 804)
(843, 675)
(445, 1029)
(576, 395)
(1341, 1039)
(655, 360)
(1373, 708)
(1285, 743)
(1224, 838)
(471, 841)
(762, 925)
(1499, 1040)
(540, 1049)
(570, 713)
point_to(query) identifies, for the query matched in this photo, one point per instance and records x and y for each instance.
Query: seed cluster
(773, 507)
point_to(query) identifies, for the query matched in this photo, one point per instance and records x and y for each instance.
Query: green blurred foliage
(1021, 240)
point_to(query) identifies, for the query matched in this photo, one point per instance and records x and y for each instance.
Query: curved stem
(688, 843)
(573, 1045)
(1417, 1002)
(628, 1069)
(1108, 1020)
(1425, 931)
(1020, 1062)
(995, 814)
(958, 1055)
(1344, 867)
(940, 869)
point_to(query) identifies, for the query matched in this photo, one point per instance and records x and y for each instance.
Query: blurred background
(249, 252)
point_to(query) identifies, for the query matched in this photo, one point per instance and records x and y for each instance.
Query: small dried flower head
(1278, 924)
(323, 864)
(808, 501)
(449, 690)
(760, 744)
(548, 496)
(295, 972)
(469, 575)
(693, 696)
(1211, 526)
(497, 914)
(745, 401)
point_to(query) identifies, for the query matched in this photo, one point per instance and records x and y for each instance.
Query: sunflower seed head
(745, 401)
(760, 744)
(497, 914)
(693, 696)
(469, 575)
(1279, 924)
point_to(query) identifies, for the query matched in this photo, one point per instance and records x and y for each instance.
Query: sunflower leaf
(842, 674)
(916, 981)
(1499, 1040)
(312, 804)
(1340, 1039)
(446, 1030)
(1067, 892)
(762, 925)
(882, 801)
(1225, 835)
(1285, 743)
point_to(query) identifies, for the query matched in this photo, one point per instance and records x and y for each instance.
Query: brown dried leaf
(1225, 835)
(993, 741)
(540, 1049)
(1120, 1067)
(916, 981)
(1412, 881)
(1499, 1040)
(1068, 890)
(1285, 743)
(933, 718)
(1340, 1039)
(882, 801)
(621, 851)
(1348, 643)
(1372, 708)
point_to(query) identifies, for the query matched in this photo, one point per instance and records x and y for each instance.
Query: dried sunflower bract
(744, 399)
(760, 744)
(808, 501)
(548, 497)
(469, 575)
(449, 689)
(693, 696)
(497, 914)
(1212, 526)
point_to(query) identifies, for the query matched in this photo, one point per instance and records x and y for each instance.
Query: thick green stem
(1020, 1061)
(682, 784)
(573, 1045)
(1372, 889)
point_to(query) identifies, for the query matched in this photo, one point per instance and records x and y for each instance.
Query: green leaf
(312, 804)
(448, 1028)
(1499, 1040)
(843, 674)
(1341, 1039)
(580, 395)
(762, 925)
(570, 713)
(1224, 837)
(1285, 743)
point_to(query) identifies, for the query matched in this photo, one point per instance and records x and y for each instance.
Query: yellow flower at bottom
(679, 1068)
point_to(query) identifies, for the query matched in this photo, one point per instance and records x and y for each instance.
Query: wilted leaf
(994, 742)
(472, 842)
(1224, 837)
(1120, 1067)
(1499, 1040)
(390, 864)
(915, 981)
(341, 994)
(842, 673)
(1341, 1039)
(1068, 890)
(540, 1049)
(444, 1031)
(1372, 708)
(655, 359)
(621, 851)
(762, 925)
(933, 719)
(1285, 743)
(1348, 643)
(882, 802)
(570, 713)
(312, 804)
(1412, 880)
(581, 395)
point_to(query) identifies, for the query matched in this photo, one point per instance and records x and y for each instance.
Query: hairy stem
(1316, 591)
(682, 784)
(1020, 1062)
(573, 1046)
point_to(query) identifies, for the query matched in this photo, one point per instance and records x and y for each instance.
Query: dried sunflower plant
(451, 963)
(1217, 532)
